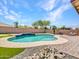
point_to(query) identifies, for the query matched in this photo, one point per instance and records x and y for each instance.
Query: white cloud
(54, 14)
(21, 3)
(47, 5)
(57, 13)
(8, 13)
(4, 8)
(13, 13)
(66, 1)
(1, 12)
(11, 17)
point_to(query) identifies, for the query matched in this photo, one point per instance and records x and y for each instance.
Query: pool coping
(8, 44)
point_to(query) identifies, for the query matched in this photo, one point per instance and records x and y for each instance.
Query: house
(3, 25)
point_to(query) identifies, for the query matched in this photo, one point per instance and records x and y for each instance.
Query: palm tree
(54, 29)
(16, 24)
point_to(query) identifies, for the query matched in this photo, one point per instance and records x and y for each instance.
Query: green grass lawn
(6, 53)
(5, 35)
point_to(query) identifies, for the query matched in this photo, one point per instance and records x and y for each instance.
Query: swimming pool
(32, 38)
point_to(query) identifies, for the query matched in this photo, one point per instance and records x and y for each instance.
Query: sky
(58, 12)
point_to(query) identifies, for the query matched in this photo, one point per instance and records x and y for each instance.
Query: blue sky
(58, 12)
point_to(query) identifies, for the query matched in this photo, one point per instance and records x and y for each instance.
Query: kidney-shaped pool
(32, 38)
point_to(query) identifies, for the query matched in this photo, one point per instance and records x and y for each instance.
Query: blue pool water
(32, 38)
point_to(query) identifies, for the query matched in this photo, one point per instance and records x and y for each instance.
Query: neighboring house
(4, 25)
(4, 28)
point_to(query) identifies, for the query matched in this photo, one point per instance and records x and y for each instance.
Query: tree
(16, 24)
(45, 23)
(21, 26)
(42, 23)
(63, 27)
(35, 24)
(54, 28)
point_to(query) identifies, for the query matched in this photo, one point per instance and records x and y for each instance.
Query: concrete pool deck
(71, 48)
(5, 43)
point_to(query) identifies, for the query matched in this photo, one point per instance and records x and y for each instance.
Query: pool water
(32, 38)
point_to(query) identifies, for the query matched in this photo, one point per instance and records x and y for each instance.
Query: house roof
(3, 24)
(75, 3)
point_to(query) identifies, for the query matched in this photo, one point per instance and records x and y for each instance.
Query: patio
(70, 48)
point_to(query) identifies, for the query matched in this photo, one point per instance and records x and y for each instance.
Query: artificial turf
(5, 35)
(6, 53)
